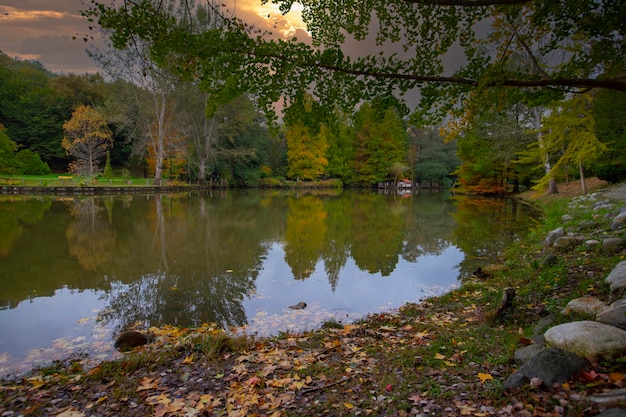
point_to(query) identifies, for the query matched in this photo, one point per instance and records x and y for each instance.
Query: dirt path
(616, 192)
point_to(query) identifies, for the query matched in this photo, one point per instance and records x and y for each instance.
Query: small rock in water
(130, 339)
(300, 306)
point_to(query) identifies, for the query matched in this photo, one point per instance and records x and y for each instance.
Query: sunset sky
(43, 30)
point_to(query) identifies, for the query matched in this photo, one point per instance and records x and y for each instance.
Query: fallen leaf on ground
(484, 377)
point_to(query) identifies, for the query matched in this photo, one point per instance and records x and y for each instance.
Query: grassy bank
(447, 356)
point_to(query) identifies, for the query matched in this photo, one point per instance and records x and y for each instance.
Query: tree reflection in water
(226, 257)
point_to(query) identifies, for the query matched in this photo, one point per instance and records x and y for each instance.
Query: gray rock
(613, 244)
(587, 225)
(588, 339)
(566, 242)
(617, 278)
(615, 314)
(523, 355)
(516, 380)
(130, 339)
(566, 218)
(542, 325)
(612, 412)
(619, 221)
(592, 243)
(584, 305)
(552, 236)
(551, 366)
(609, 398)
(550, 259)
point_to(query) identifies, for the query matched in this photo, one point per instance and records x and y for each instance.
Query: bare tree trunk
(583, 184)
(552, 188)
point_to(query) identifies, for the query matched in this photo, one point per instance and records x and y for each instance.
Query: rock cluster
(567, 349)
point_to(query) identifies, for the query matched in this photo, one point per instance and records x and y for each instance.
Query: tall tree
(380, 141)
(242, 141)
(430, 158)
(306, 152)
(609, 112)
(489, 149)
(570, 130)
(30, 109)
(7, 152)
(87, 138)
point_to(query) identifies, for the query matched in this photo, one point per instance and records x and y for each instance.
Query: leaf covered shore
(447, 356)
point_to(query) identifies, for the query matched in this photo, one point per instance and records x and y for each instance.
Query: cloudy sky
(43, 30)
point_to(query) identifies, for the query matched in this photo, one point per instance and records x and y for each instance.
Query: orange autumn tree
(87, 138)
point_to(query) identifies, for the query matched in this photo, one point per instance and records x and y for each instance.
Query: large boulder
(550, 365)
(584, 305)
(588, 339)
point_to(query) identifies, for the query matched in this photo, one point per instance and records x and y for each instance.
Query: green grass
(65, 180)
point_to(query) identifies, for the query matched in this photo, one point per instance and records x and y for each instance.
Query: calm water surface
(75, 271)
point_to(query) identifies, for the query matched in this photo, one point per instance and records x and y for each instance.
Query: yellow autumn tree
(570, 133)
(87, 138)
(306, 153)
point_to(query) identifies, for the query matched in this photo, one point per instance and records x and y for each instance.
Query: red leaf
(589, 375)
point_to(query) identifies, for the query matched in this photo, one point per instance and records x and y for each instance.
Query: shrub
(611, 172)
(30, 163)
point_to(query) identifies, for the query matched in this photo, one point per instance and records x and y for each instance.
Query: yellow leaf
(466, 410)
(83, 320)
(348, 405)
(147, 383)
(439, 356)
(173, 288)
(188, 359)
(484, 377)
(36, 382)
(71, 413)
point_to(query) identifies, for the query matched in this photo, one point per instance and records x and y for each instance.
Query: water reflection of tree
(429, 225)
(486, 227)
(89, 237)
(208, 252)
(304, 237)
(377, 228)
(15, 214)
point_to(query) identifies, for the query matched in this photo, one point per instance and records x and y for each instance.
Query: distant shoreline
(106, 190)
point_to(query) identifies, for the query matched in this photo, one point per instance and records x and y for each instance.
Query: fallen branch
(331, 384)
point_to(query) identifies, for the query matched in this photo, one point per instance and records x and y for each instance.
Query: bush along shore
(538, 335)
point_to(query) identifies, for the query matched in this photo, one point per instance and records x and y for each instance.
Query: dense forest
(255, 112)
(235, 143)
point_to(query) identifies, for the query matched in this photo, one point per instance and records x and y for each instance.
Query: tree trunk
(552, 189)
(582, 177)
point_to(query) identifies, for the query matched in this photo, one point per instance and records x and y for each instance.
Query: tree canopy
(569, 45)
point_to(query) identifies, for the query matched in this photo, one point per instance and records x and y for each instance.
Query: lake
(74, 271)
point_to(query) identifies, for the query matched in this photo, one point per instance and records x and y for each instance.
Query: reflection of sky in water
(48, 328)
(357, 292)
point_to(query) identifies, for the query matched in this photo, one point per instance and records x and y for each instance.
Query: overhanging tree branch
(467, 3)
